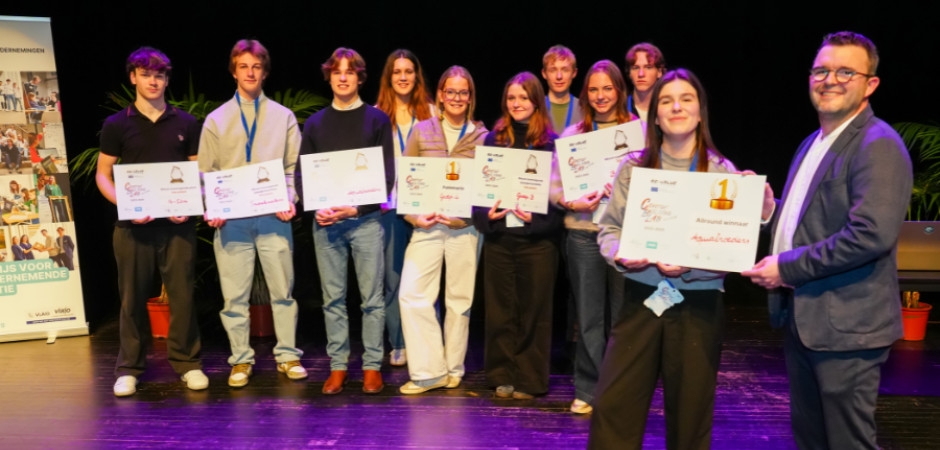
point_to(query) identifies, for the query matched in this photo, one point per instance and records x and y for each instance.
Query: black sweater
(330, 130)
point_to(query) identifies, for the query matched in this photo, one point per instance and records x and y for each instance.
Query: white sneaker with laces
(196, 380)
(125, 385)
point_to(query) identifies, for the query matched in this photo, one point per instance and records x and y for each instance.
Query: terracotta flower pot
(262, 320)
(915, 322)
(159, 318)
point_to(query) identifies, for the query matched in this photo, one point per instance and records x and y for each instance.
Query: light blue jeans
(397, 234)
(362, 236)
(236, 244)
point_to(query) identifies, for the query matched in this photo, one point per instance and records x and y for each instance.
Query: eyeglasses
(451, 94)
(843, 74)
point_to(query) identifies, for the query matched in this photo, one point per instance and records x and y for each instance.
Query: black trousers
(140, 252)
(683, 347)
(519, 282)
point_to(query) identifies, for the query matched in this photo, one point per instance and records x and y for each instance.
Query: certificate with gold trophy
(588, 161)
(246, 191)
(703, 220)
(157, 190)
(343, 178)
(435, 185)
(517, 178)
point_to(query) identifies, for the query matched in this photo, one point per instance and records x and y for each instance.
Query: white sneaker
(125, 385)
(196, 380)
(411, 388)
(579, 406)
(398, 357)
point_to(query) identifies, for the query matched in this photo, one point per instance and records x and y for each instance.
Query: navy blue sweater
(330, 130)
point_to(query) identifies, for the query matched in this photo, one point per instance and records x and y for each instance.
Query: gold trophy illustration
(453, 171)
(723, 194)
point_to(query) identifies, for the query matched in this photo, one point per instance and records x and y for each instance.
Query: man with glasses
(341, 230)
(559, 68)
(833, 270)
(645, 64)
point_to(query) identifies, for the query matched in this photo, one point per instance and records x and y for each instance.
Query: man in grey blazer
(833, 270)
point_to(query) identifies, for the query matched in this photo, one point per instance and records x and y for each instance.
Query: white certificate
(517, 178)
(435, 185)
(157, 190)
(247, 191)
(345, 177)
(694, 219)
(588, 161)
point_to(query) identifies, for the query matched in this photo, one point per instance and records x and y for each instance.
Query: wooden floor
(59, 396)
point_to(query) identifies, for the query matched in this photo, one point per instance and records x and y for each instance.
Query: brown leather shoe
(334, 384)
(372, 381)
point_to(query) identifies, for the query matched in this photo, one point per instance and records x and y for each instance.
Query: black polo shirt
(135, 139)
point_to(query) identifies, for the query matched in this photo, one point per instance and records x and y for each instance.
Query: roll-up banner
(40, 286)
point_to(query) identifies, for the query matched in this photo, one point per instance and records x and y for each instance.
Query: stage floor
(59, 396)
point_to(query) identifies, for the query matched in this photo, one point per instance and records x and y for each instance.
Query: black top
(331, 130)
(542, 225)
(135, 139)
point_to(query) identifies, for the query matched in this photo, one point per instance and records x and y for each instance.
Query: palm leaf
(923, 143)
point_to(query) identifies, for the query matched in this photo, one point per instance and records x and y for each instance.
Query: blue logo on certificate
(136, 209)
(226, 209)
(583, 186)
(490, 196)
(654, 188)
(651, 244)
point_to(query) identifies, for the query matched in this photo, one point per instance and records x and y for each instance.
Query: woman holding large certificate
(437, 238)
(403, 96)
(521, 254)
(671, 321)
(596, 286)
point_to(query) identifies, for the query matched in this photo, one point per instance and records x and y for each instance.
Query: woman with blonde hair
(433, 361)
(403, 96)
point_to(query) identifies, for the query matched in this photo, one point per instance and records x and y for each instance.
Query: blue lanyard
(630, 103)
(548, 105)
(463, 130)
(691, 167)
(254, 125)
(402, 141)
(594, 122)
